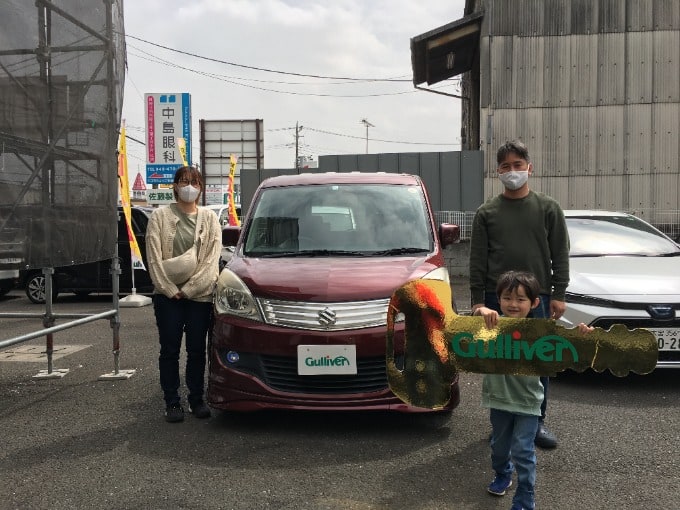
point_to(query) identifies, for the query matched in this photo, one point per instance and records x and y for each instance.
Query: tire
(35, 288)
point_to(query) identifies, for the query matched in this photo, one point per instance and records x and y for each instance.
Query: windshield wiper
(315, 253)
(265, 254)
(671, 254)
(400, 251)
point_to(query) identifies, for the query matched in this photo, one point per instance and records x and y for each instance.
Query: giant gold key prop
(438, 343)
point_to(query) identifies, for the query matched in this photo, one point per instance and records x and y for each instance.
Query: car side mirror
(230, 235)
(448, 234)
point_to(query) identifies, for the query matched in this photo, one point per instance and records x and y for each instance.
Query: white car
(624, 271)
(222, 211)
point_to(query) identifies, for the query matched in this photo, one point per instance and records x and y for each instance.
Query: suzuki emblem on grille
(326, 317)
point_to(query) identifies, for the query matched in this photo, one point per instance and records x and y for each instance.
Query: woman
(183, 243)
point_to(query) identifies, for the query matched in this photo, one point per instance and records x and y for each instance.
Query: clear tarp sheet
(62, 71)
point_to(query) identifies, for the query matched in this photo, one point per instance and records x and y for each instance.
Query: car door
(142, 281)
(224, 217)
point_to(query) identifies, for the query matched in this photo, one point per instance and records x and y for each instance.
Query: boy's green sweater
(518, 394)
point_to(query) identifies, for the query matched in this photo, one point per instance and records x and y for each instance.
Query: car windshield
(597, 236)
(339, 219)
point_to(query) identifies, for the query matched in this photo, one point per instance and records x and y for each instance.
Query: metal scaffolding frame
(46, 196)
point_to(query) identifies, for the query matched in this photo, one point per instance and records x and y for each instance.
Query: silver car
(624, 271)
(222, 212)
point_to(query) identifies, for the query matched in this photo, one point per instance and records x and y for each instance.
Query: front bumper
(265, 375)
(630, 317)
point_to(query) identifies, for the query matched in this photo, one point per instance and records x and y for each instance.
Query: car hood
(626, 279)
(326, 279)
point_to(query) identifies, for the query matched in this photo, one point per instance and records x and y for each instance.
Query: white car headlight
(233, 297)
(441, 273)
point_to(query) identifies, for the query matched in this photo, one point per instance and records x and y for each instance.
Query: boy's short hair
(513, 146)
(511, 280)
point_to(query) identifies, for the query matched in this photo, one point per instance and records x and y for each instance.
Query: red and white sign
(139, 184)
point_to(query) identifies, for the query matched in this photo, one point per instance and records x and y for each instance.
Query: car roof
(341, 178)
(219, 206)
(587, 212)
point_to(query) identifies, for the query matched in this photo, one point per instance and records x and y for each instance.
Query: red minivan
(301, 307)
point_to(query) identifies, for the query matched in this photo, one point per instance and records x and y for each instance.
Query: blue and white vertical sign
(168, 117)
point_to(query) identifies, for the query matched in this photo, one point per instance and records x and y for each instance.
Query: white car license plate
(327, 359)
(667, 338)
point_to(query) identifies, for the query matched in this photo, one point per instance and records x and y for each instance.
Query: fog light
(232, 357)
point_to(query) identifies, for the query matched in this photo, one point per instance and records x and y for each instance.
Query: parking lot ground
(80, 443)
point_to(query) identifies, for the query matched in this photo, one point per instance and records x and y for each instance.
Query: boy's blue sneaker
(499, 486)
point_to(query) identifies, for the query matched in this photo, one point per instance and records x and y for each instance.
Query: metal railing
(668, 221)
(461, 218)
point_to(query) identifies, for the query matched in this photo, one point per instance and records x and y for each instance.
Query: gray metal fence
(461, 218)
(668, 221)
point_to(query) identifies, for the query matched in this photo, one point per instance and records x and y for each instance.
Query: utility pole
(297, 145)
(368, 125)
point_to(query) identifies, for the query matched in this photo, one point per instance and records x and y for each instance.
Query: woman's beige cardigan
(160, 235)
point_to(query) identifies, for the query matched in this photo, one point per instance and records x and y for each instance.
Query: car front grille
(325, 316)
(281, 374)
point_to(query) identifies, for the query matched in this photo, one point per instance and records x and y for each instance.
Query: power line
(376, 139)
(326, 133)
(159, 60)
(264, 69)
(218, 77)
(231, 81)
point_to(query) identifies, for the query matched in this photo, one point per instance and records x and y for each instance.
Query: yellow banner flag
(124, 182)
(233, 217)
(182, 146)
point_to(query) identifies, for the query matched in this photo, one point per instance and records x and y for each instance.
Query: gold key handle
(437, 343)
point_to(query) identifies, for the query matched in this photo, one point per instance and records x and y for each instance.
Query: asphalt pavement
(78, 442)
(460, 287)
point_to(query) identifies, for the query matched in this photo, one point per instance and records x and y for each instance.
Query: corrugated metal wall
(593, 88)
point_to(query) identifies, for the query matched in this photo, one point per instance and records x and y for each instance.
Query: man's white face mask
(514, 179)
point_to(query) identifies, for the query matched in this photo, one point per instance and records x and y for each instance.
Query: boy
(514, 401)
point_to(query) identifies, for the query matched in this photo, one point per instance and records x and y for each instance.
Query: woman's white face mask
(514, 179)
(188, 193)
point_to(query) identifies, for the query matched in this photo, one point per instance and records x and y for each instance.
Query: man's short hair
(513, 146)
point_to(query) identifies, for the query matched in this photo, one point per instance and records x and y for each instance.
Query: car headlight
(233, 297)
(441, 273)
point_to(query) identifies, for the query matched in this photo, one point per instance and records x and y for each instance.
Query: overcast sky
(331, 39)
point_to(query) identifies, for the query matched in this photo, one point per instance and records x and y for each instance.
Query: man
(523, 231)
